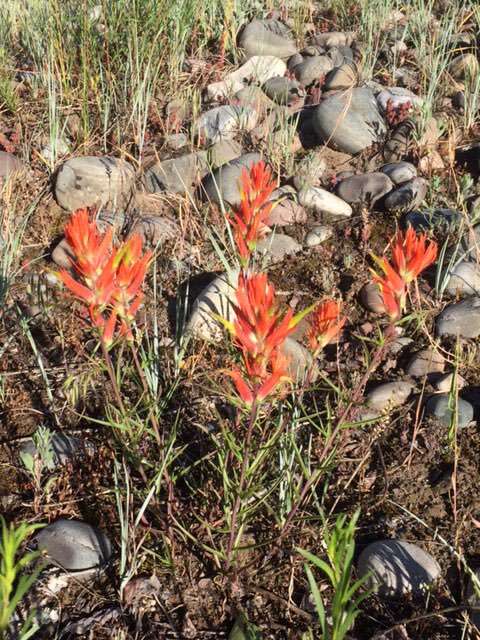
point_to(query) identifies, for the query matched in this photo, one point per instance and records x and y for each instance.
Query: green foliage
(344, 608)
(14, 584)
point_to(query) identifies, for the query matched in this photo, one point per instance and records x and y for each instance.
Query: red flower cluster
(107, 279)
(326, 323)
(248, 220)
(259, 331)
(411, 254)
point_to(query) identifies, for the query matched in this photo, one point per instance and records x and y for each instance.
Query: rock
(399, 172)
(299, 359)
(349, 121)
(471, 242)
(215, 299)
(464, 279)
(441, 220)
(74, 545)
(440, 406)
(430, 162)
(276, 246)
(463, 66)
(397, 568)
(399, 344)
(342, 77)
(389, 395)
(397, 96)
(54, 149)
(283, 91)
(176, 140)
(223, 123)
(405, 77)
(333, 39)
(222, 152)
(312, 69)
(460, 319)
(341, 55)
(9, 164)
(458, 100)
(445, 383)
(89, 181)
(407, 196)
(62, 255)
(63, 447)
(366, 188)
(254, 98)
(176, 175)
(399, 143)
(322, 201)
(287, 211)
(318, 235)
(371, 298)
(309, 170)
(223, 184)
(431, 134)
(258, 69)
(155, 230)
(267, 38)
(425, 363)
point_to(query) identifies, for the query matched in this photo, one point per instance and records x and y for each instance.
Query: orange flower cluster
(325, 325)
(248, 220)
(411, 254)
(107, 279)
(259, 331)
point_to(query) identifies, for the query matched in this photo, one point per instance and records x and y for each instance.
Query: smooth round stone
(309, 170)
(389, 395)
(312, 69)
(397, 568)
(176, 175)
(286, 212)
(277, 246)
(399, 172)
(330, 39)
(366, 188)
(222, 152)
(341, 55)
(224, 183)
(439, 219)
(155, 230)
(223, 123)
(258, 69)
(349, 121)
(407, 196)
(371, 298)
(74, 545)
(176, 140)
(267, 38)
(439, 406)
(460, 319)
(398, 97)
(464, 279)
(399, 143)
(466, 64)
(342, 77)
(215, 300)
(89, 181)
(399, 344)
(63, 447)
(9, 164)
(283, 91)
(254, 98)
(445, 383)
(323, 201)
(424, 363)
(318, 235)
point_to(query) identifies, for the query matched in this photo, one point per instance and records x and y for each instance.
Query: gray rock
(440, 406)
(257, 69)
(254, 98)
(398, 97)
(222, 152)
(155, 230)
(399, 143)
(276, 246)
(341, 55)
(54, 149)
(399, 344)
(366, 188)
(460, 319)
(223, 184)
(371, 298)
(439, 220)
(62, 254)
(215, 300)
(223, 123)
(323, 201)
(63, 447)
(74, 545)
(330, 39)
(312, 69)
(176, 175)
(9, 164)
(425, 363)
(349, 121)
(318, 235)
(464, 279)
(90, 181)
(397, 568)
(399, 172)
(283, 91)
(407, 196)
(267, 38)
(176, 140)
(389, 395)
(445, 383)
(344, 76)
(287, 211)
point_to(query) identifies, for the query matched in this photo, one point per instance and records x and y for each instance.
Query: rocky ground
(357, 152)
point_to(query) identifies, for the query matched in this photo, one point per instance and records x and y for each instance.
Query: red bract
(325, 325)
(108, 279)
(248, 220)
